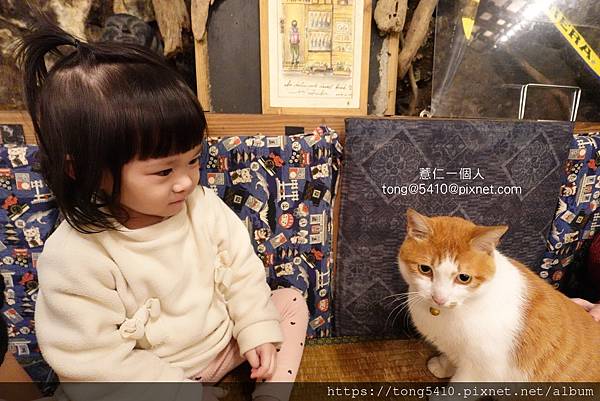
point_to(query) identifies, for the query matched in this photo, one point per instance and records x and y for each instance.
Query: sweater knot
(223, 274)
(143, 324)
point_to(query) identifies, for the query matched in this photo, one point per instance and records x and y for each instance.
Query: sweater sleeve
(78, 315)
(255, 317)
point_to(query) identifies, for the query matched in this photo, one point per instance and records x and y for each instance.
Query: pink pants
(294, 320)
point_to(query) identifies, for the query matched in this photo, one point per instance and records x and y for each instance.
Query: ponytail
(44, 38)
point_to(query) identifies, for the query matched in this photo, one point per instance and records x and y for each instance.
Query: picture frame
(315, 56)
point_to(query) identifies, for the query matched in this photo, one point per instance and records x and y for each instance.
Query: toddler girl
(150, 277)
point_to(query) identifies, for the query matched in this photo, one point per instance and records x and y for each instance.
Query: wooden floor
(329, 363)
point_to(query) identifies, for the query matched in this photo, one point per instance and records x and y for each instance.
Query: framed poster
(315, 56)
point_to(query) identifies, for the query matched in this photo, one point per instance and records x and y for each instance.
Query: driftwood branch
(141, 9)
(417, 32)
(412, 106)
(199, 11)
(390, 16)
(393, 40)
(172, 17)
(414, 100)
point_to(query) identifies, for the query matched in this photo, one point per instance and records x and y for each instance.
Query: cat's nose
(439, 299)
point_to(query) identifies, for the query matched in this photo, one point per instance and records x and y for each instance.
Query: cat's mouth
(437, 309)
(449, 305)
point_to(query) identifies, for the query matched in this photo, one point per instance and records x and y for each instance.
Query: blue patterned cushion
(27, 217)
(283, 188)
(577, 216)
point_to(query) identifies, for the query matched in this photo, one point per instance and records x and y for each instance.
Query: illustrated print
(278, 186)
(241, 176)
(12, 135)
(33, 237)
(295, 43)
(17, 156)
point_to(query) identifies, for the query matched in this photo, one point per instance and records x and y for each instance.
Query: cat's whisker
(390, 303)
(392, 295)
(399, 309)
(387, 303)
(399, 313)
(380, 301)
(398, 297)
(411, 302)
(399, 294)
(390, 315)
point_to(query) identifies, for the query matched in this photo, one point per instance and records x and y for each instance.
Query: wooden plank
(267, 124)
(587, 127)
(220, 124)
(392, 72)
(202, 73)
(199, 16)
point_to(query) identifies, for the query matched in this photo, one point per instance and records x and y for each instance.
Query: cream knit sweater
(156, 303)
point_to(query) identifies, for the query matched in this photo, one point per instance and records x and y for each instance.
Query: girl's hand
(595, 312)
(262, 360)
(593, 309)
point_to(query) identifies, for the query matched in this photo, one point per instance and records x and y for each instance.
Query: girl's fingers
(272, 366)
(261, 371)
(595, 312)
(253, 358)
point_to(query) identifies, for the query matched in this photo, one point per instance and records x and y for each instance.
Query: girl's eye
(464, 278)
(195, 161)
(164, 173)
(424, 269)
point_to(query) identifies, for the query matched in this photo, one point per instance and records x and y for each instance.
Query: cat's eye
(424, 269)
(464, 278)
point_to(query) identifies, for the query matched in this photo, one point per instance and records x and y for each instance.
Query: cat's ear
(487, 238)
(417, 225)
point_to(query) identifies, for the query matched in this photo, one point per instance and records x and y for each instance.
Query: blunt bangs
(154, 114)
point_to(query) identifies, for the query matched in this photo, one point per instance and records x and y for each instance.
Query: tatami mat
(347, 360)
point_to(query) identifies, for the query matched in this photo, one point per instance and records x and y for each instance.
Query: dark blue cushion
(576, 220)
(283, 188)
(28, 215)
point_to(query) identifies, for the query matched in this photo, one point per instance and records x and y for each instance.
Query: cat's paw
(441, 367)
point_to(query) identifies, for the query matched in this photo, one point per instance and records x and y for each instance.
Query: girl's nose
(184, 184)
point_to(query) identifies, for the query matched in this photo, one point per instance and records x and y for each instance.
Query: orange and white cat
(490, 316)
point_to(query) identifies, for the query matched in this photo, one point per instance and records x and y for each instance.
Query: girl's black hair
(100, 106)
